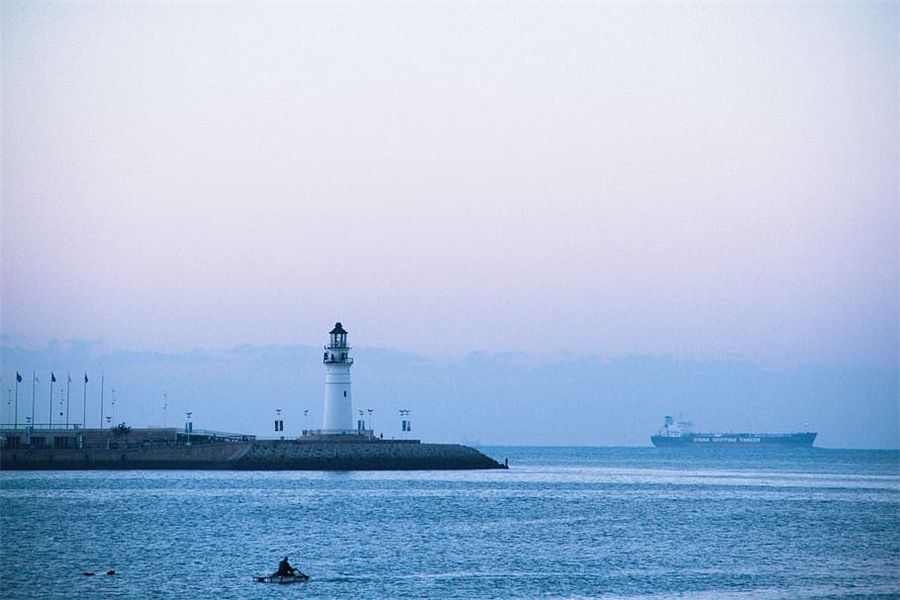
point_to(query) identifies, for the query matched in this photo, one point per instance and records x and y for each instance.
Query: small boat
(281, 578)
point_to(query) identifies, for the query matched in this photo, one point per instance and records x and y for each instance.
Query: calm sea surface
(561, 523)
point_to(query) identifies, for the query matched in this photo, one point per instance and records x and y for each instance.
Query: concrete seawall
(263, 455)
(362, 456)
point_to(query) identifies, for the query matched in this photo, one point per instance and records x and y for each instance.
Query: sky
(694, 183)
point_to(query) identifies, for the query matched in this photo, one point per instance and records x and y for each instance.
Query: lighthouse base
(353, 434)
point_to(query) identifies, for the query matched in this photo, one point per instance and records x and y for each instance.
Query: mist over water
(562, 523)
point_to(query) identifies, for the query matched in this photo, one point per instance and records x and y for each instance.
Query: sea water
(560, 523)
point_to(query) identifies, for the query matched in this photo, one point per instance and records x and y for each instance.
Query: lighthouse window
(345, 393)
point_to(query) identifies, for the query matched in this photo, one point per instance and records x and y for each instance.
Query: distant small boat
(280, 578)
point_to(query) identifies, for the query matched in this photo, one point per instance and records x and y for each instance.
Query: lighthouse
(338, 414)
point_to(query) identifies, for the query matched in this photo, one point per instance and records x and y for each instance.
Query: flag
(70, 378)
(52, 377)
(85, 378)
(36, 378)
(18, 377)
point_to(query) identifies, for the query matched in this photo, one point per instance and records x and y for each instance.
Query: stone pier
(171, 449)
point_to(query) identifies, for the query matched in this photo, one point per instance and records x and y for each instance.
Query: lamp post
(279, 424)
(405, 424)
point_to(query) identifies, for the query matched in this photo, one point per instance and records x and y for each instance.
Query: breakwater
(351, 454)
(375, 455)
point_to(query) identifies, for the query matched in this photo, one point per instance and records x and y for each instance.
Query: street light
(188, 426)
(405, 424)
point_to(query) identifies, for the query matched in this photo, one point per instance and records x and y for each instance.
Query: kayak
(280, 578)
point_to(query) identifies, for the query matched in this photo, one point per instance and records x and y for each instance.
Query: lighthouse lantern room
(338, 411)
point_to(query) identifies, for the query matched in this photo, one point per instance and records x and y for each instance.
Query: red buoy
(111, 572)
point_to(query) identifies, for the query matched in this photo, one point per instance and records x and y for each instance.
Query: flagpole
(33, 382)
(101, 399)
(84, 403)
(52, 379)
(16, 426)
(68, 385)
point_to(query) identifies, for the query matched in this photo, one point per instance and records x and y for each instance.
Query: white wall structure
(338, 411)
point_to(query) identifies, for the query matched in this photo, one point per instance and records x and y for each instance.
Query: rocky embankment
(365, 456)
(270, 455)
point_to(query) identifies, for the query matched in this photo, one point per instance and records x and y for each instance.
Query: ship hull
(735, 440)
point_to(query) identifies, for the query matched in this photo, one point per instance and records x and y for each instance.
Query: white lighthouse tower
(338, 412)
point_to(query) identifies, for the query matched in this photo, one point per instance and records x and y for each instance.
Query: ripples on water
(561, 523)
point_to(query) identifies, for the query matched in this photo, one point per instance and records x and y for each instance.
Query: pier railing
(45, 437)
(43, 427)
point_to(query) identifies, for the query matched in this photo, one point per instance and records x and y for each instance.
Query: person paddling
(285, 569)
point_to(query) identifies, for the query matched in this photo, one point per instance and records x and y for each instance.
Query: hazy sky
(703, 180)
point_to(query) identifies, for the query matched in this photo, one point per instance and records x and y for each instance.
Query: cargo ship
(680, 435)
